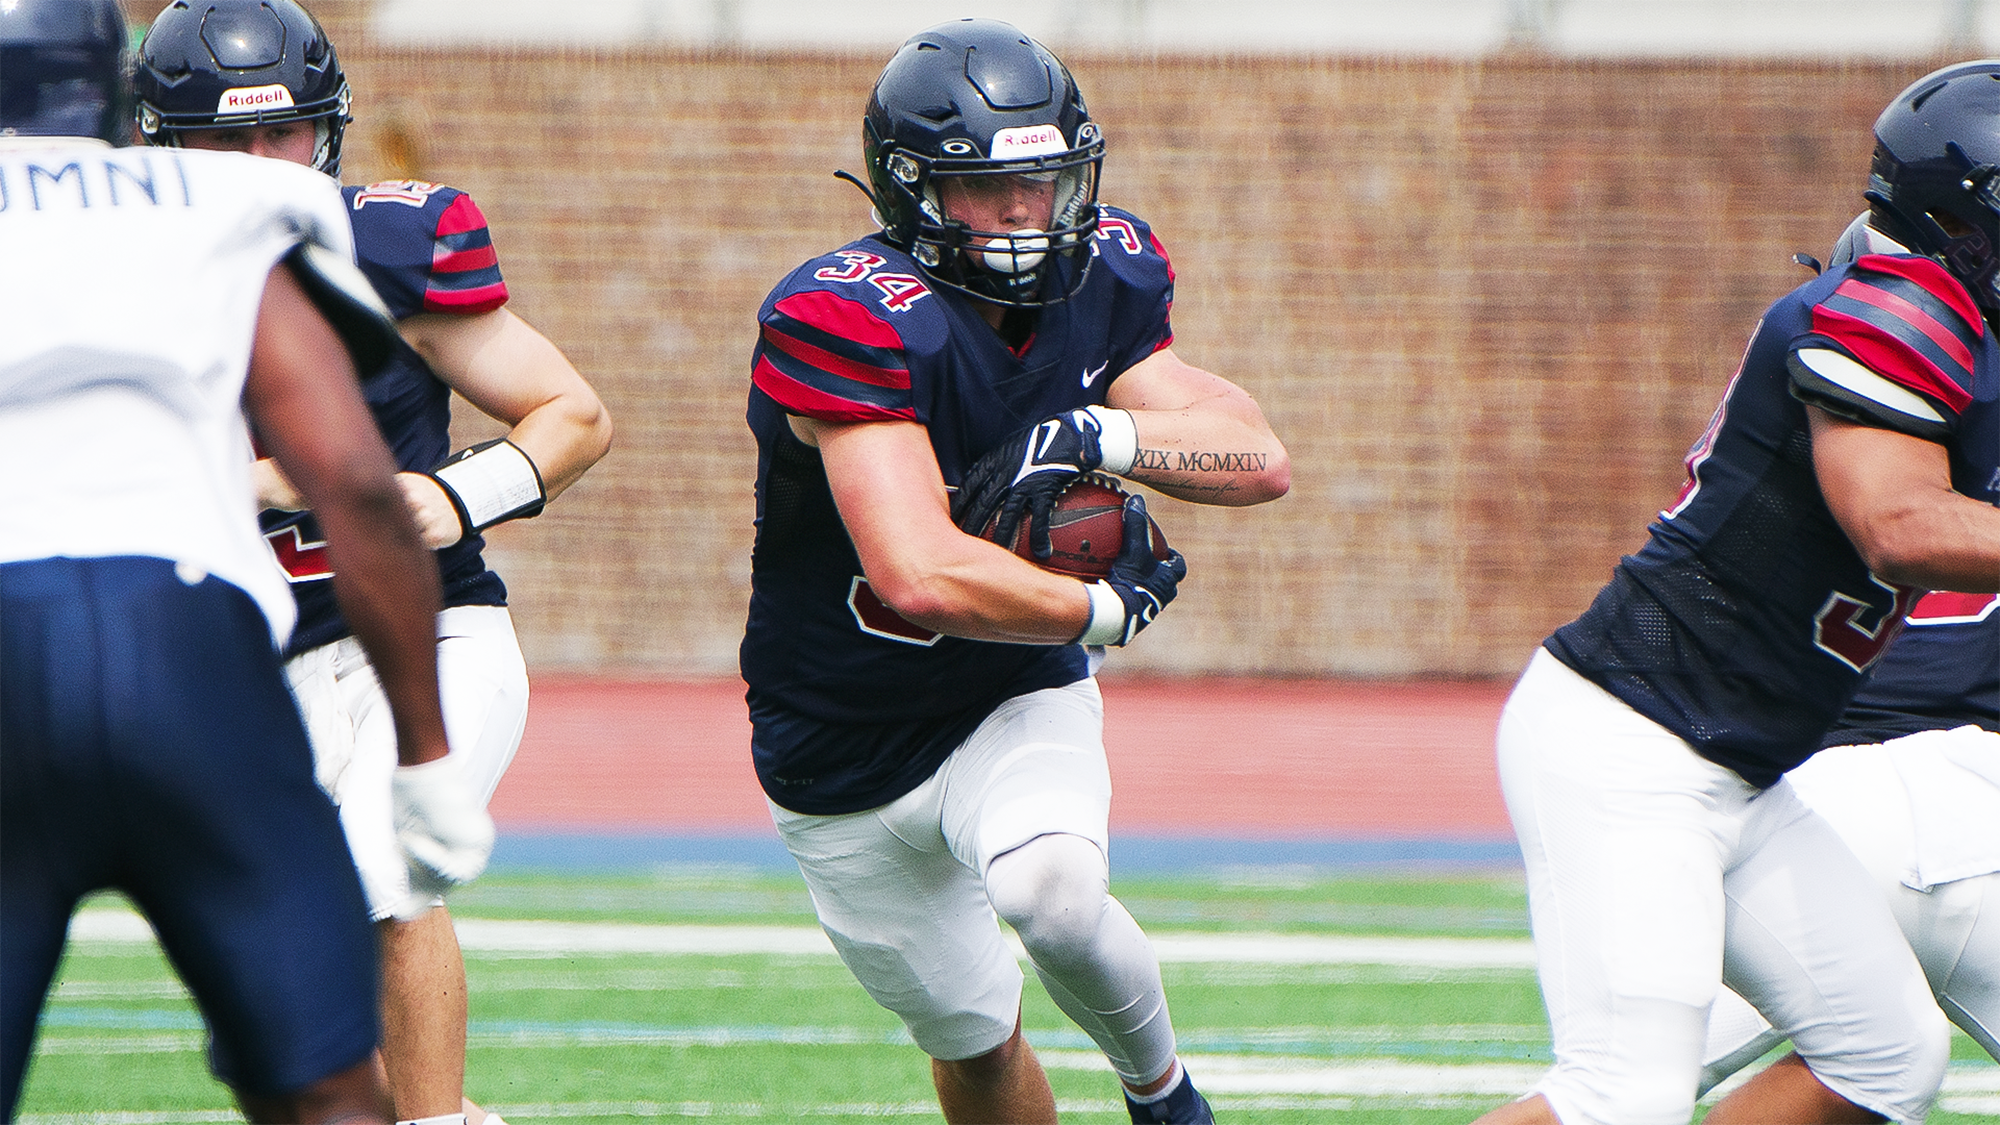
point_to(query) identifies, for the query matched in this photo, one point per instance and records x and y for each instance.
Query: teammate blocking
(1853, 463)
(260, 76)
(147, 738)
(926, 723)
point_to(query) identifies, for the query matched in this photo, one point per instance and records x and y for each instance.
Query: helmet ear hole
(1950, 224)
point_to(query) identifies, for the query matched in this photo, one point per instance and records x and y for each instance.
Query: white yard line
(1236, 1079)
(487, 936)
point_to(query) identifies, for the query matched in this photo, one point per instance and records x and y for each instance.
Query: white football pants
(483, 686)
(1013, 824)
(1881, 799)
(1654, 875)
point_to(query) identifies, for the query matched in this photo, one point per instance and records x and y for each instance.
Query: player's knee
(1052, 890)
(1899, 1073)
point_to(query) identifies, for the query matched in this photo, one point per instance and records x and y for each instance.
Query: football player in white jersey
(147, 738)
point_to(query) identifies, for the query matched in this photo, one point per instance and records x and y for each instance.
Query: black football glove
(1138, 587)
(1026, 473)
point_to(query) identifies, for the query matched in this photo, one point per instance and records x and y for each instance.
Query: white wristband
(491, 482)
(1107, 616)
(1118, 438)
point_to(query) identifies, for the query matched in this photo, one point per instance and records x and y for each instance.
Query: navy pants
(148, 743)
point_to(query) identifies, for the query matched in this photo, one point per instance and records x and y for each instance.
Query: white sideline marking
(487, 936)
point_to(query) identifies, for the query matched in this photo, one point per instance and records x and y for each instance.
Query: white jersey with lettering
(123, 434)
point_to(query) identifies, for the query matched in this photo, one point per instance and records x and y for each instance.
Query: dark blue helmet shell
(979, 98)
(64, 70)
(214, 64)
(1934, 184)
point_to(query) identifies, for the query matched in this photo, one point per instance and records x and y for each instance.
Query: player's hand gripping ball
(1019, 480)
(1086, 530)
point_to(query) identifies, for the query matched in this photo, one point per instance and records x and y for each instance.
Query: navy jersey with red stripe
(1942, 672)
(425, 248)
(851, 706)
(1746, 622)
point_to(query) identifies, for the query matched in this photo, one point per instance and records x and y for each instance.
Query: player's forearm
(1952, 542)
(1892, 494)
(1216, 452)
(984, 593)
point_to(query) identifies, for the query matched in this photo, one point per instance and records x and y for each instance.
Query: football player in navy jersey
(148, 741)
(925, 719)
(260, 76)
(1910, 779)
(1853, 463)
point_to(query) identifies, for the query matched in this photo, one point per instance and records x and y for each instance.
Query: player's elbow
(916, 598)
(591, 424)
(1267, 475)
(1922, 548)
(1276, 478)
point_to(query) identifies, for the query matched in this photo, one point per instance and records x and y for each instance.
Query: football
(1086, 530)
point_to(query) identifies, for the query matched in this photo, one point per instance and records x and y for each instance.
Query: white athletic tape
(1118, 438)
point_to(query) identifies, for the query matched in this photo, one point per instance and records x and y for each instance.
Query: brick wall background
(1487, 304)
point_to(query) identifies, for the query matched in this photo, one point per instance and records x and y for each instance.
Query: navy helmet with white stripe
(219, 64)
(977, 98)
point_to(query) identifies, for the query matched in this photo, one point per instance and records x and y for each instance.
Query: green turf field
(1298, 998)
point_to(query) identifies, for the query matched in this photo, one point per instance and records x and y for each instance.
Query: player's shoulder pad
(835, 337)
(1893, 343)
(426, 246)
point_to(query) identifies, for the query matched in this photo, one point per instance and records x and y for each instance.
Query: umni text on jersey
(114, 181)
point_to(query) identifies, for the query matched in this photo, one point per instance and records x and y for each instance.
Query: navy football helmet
(1934, 185)
(63, 70)
(977, 98)
(216, 64)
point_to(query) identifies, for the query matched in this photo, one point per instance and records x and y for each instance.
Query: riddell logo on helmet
(1027, 140)
(252, 99)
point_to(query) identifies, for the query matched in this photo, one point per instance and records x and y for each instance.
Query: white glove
(444, 831)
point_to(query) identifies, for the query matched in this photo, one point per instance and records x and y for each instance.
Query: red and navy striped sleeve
(465, 271)
(426, 248)
(823, 356)
(1894, 345)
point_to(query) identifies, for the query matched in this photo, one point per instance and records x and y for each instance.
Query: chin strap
(490, 483)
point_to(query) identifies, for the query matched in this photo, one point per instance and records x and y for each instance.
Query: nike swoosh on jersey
(1090, 377)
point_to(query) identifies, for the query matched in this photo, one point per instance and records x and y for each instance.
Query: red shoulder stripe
(462, 261)
(897, 378)
(801, 399)
(466, 302)
(460, 216)
(1934, 278)
(1162, 252)
(849, 320)
(1910, 314)
(1890, 357)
